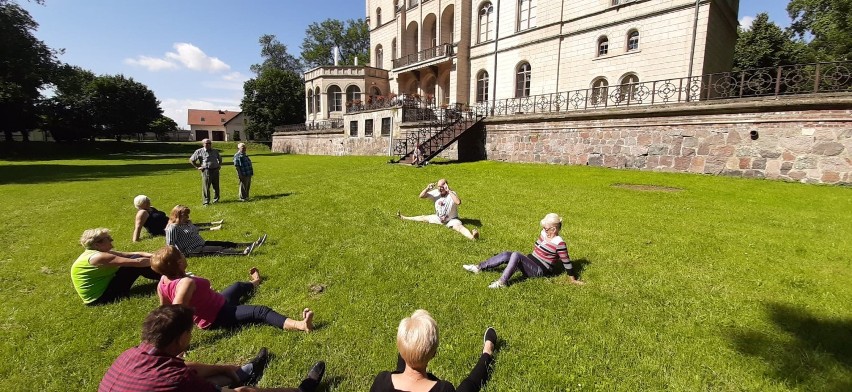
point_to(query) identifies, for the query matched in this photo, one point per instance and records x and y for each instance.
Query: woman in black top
(417, 342)
(155, 221)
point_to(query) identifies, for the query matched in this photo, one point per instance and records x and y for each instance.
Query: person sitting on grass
(417, 342)
(216, 310)
(155, 221)
(157, 363)
(101, 274)
(182, 233)
(446, 209)
(549, 248)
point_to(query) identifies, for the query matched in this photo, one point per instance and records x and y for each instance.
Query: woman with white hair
(417, 343)
(101, 274)
(549, 249)
(155, 221)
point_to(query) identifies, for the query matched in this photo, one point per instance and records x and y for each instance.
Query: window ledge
(609, 56)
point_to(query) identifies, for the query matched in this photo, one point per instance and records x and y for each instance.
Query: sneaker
(472, 268)
(496, 285)
(258, 365)
(218, 222)
(317, 371)
(490, 336)
(249, 249)
(260, 241)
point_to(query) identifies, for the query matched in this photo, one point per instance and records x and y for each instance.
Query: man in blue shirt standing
(242, 163)
(208, 161)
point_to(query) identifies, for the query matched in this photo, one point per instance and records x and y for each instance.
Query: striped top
(185, 237)
(548, 252)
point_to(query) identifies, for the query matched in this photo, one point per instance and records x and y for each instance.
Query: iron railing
(335, 123)
(439, 127)
(381, 102)
(761, 82)
(443, 50)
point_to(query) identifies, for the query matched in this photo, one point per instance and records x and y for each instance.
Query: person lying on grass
(446, 209)
(157, 363)
(155, 221)
(212, 309)
(417, 342)
(182, 233)
(101, 274)
(549, 248)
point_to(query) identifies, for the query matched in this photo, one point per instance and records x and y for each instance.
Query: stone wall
(328, 143)
(802, 139)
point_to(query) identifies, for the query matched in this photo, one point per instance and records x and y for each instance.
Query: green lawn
(727, 284)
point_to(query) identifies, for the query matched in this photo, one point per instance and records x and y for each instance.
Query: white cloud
(233, 81)
(235, 76)
(178, 109)
(186, 55)
(746, 22)
(151, 63)
(195, 59)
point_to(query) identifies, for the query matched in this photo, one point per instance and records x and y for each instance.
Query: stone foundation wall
(807, 140)
(328, 143)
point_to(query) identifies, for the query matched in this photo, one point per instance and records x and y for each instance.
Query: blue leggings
(233, 314)
(515, 261)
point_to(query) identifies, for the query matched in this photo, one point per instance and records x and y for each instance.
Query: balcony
(443, 51)
(346, 71)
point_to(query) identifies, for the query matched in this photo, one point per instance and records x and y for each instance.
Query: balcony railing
(382, 102)
(336, 123)
(354, 71)
(443, 50)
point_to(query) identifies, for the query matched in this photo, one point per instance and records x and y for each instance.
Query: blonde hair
(417, 338)
(241, 145)
(177, 212)
(552, 220)
(165, 261)
(138, 200)
(92, 236)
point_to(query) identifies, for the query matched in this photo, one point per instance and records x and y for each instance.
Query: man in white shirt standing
(446, 209)
(208, 161)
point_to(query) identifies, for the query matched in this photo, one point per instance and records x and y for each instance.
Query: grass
(726, 284)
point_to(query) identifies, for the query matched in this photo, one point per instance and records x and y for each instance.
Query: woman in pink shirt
(213, 309)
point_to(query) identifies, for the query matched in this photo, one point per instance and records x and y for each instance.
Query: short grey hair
(417, 338)
(240, 145)
(92, 236)
(138, 200)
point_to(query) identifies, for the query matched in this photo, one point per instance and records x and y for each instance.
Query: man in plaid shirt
(242, 163)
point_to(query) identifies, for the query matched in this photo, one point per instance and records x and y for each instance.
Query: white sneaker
(472, 268)
(496, 285)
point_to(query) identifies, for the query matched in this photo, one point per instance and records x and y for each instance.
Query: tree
(273, 98)
(766, 45)
(352, 37)
(122, 106)
(25, 66)
(275, 55)
(162, 126)
(828, 24)
(68, 114)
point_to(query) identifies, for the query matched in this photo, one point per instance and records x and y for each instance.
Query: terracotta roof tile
(210, 117)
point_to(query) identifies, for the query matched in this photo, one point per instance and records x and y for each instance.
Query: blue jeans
(233, 314)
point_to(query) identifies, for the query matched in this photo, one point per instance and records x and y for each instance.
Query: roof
(210, 117)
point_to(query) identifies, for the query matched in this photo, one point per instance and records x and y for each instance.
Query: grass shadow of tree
(34, 174)
(805, 350)
(258, 198)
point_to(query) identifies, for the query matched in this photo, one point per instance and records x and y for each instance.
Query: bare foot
(254, 275)
(308, 320)
(475, 233)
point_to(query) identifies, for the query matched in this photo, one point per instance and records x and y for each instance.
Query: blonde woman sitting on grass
(184, 235)
(417, 342)
(212, 309)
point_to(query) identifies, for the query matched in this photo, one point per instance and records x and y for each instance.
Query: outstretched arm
(121, 259)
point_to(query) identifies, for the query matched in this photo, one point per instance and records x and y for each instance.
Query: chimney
(335, 51)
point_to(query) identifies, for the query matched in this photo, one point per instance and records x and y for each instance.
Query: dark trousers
(233, 314)
(209, 177)
(119, 286)
(220, 248)
(245, 187)
(474, 381)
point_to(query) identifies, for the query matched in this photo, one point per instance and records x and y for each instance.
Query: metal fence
(336, 123)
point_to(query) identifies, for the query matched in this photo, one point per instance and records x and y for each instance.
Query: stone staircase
(439, 128)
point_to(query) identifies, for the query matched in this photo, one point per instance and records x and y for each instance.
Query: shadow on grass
(147, 289)
(804, 349)
(330, 383)
(471, 221)
(102, 150)
(257, 198)
(34, 174)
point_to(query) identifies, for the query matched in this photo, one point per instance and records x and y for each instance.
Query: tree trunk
(8, 134)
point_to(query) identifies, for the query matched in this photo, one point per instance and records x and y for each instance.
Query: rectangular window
(386, 130)
(353, 128)
(368, 128)
(526, 15)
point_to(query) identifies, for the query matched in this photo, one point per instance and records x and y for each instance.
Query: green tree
(275, 55)
(162, 126)
(766, 45)
(352, 37)
(122, 106)
(828, 25)
(272, 98)
(68, 114)
(25, 66)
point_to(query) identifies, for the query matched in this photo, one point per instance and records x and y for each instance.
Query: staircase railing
(439, 127)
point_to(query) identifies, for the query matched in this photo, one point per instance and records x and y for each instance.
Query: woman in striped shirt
(181, 233)
(549, 249)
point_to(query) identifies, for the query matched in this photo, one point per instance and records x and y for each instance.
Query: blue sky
(197, 53)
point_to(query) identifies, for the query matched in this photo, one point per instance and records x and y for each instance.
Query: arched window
(380, 54)
(526, 14)
(522, 80)
(603, 46)
(317, 99)
(599, 91)
(486, 22)
(378, 17)
(627, 88)
(310, 101)
(632, 40)
(393, 49)
(353, 93)
(482, 86)
(335, 99)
